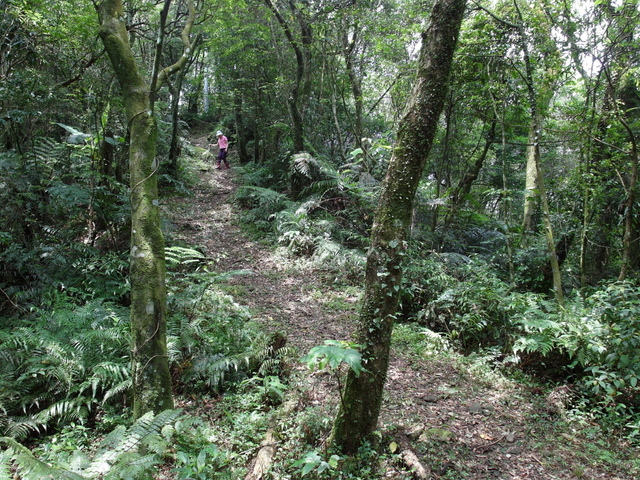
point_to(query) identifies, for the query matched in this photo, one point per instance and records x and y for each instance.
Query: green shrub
(459, 296)
(611, 354)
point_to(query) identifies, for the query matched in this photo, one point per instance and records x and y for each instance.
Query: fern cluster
(62, 367)
(58, 212)
(125, 453)
(592, 341)
(211, 340)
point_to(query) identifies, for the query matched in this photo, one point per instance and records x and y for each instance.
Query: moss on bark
(362, 398)
(150, 367)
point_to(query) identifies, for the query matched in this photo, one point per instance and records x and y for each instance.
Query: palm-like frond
(20, 427)
(5, 466)
(122, 442)
(183, 257)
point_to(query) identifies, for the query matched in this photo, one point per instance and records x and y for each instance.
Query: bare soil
(463, 422)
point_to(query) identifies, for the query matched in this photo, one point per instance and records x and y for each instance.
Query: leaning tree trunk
(150, 364)
(362, 397)
(462, 190)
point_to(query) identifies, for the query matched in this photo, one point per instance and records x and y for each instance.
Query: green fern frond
(321, 187)
(30, 468)
(133, 465)
(213, 369)
(98, 341)
(148, 424)
(65, 410)
(252, 196)
(117, 391)
(5, 466)
(107, 374)
(269, 366)
(21, 427)
(304, 164)
(46, 148)
(182, 256)
(121, 440)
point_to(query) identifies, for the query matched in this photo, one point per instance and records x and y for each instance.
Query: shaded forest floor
(466, 421)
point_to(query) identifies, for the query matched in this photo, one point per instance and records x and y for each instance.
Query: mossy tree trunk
(150, 366)
(539, 95)
(362, 397)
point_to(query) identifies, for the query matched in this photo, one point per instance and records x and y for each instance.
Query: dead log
(264, 459)
(410, 459)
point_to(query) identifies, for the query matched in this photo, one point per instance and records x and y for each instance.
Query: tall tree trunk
(150, 366)
(362, 396)
(630, 233)
(548, 234)
(530, 216)
(293, 102)
(175, 147)
(539, 101)
(349, 48)
(176, 92)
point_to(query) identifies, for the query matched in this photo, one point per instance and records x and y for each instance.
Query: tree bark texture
(362, 397)
(150, 368)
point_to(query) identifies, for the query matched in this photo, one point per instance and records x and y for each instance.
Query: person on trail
(223, 145)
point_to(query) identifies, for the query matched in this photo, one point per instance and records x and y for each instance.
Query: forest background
(523, 246)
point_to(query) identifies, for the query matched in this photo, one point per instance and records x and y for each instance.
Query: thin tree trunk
(463, 188)
(551, 246)
(539, 101)
(301, 73)
(356, 87)
(174, 149)
(362, 398)
(243, 155)
(630, 236)
(530, 217)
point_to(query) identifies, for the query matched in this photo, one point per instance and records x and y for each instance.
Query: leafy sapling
(332, 355)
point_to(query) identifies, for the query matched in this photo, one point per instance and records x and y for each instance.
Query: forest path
(278, 297)
(476, 425)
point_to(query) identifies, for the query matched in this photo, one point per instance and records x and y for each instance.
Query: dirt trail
(286, 301)
(475, 428)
